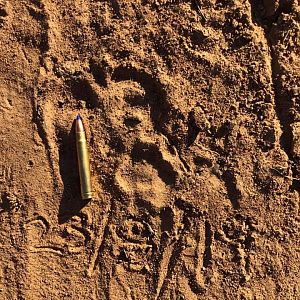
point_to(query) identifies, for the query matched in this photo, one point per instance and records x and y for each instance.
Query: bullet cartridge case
(83, 161)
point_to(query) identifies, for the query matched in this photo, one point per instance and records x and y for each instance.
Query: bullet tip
(78, 117)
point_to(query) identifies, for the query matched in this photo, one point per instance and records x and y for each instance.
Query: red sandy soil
(193, 121)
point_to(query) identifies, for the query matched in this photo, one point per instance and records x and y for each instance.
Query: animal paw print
(131, 244)
(120, 105)
(148, 173)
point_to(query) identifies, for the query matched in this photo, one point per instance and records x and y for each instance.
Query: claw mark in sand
(97, 247)
(50, 249)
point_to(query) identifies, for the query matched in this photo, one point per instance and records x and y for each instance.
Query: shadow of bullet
(71, 202)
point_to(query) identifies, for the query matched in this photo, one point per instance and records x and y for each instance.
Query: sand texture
(192, 115)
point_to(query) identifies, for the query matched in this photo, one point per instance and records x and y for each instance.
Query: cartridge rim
(87, 195)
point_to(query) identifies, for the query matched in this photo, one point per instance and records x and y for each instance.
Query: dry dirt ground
(192, 113)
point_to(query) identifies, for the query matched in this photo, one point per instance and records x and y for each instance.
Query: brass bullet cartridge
(83, 160)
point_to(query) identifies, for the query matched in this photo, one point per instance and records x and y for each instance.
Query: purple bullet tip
(78, 117)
